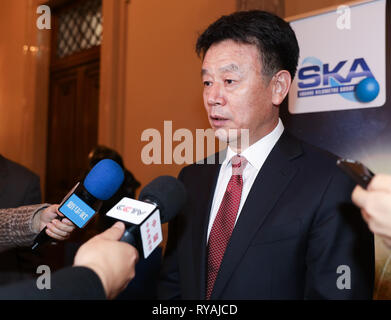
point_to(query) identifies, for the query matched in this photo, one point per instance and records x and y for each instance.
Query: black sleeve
(72, 283)
(340, 255)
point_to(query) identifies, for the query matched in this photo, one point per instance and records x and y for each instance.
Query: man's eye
(207, 83)
(229, 81)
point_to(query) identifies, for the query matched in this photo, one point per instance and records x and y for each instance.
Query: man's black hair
(275, 39)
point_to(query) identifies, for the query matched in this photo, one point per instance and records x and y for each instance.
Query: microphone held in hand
(160, 201)
(85, 199)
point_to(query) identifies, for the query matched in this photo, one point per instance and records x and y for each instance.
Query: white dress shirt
(256, 155)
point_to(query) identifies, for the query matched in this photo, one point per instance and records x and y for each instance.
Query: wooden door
(72, 126)
(74, 95)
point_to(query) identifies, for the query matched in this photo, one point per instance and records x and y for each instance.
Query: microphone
(160, 201)
(86, 198)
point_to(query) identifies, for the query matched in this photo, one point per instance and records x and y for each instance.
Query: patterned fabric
(224, 222)
(16, 226)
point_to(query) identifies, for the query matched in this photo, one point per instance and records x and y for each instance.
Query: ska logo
(352, 80)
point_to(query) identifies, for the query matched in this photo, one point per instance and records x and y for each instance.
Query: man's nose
(215, 95)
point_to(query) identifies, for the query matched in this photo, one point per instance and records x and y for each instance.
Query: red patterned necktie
(224, 222)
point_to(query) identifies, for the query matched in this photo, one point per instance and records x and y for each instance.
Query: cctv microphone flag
(144, 218)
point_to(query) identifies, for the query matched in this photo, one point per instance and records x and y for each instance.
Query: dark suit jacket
(18, 187)
(72, 283)
(296, 228)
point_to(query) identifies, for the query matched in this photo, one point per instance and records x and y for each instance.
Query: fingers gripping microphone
(160, 201)
(86, 198)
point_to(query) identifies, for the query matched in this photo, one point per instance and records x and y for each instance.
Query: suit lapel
(272, 179)
(208, 181)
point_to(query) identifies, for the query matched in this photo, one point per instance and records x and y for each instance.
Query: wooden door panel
(87, 110)
(73, 127)
(60, 138)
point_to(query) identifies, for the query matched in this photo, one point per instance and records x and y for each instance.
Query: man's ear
(281, 83)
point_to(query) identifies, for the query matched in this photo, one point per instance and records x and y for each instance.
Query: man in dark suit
(274, 220)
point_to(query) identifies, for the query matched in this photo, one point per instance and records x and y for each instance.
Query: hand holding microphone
(375, 205)
(86, 198)
(56, 229)
(113, 261)
(160, 201)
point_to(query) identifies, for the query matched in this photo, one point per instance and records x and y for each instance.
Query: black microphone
(86, 198)
(160, 201)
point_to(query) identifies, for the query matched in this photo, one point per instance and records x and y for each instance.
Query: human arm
(375, 206)
(102, 268)
(19, 226)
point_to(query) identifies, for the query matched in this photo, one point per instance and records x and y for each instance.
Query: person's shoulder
(203, 167)
(17, 170)
(314, 153)
(213, 160)
(321, 163)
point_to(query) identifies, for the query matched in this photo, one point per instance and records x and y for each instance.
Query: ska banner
(340, 97)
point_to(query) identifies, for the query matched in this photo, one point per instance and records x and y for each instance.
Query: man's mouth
(218, 121)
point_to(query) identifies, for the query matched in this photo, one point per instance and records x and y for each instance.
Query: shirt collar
(257, 153)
